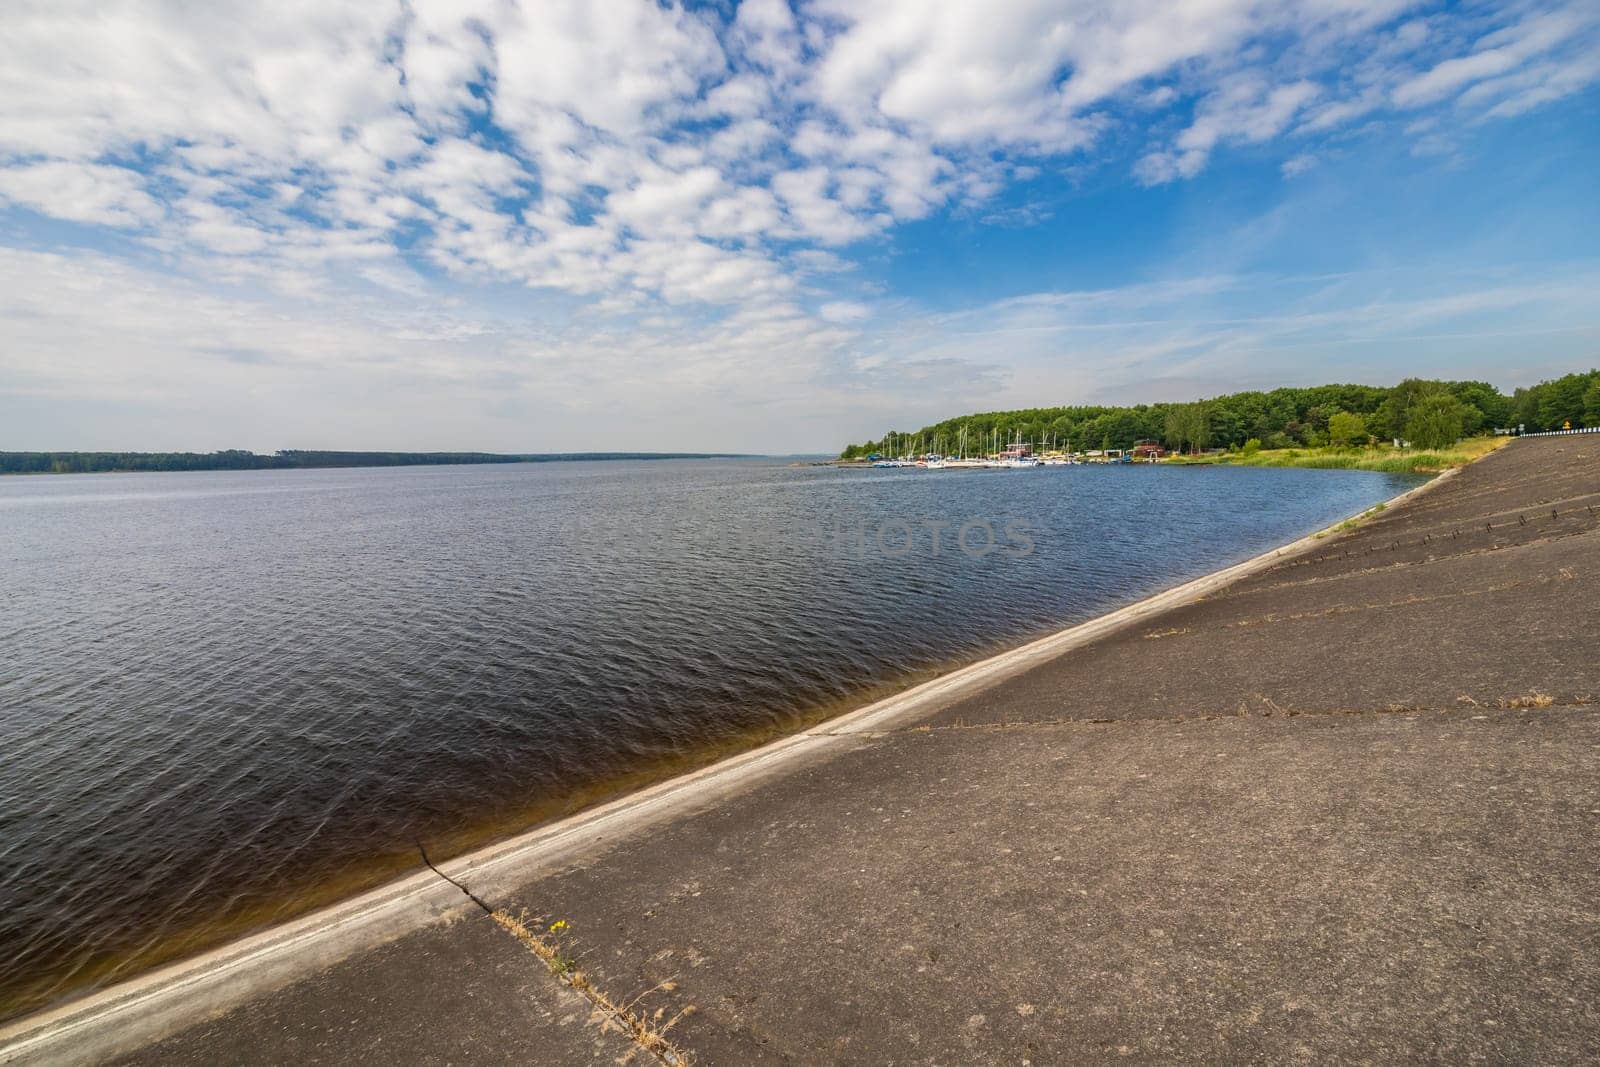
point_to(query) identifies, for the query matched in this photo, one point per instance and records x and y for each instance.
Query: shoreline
(398, 459)
(1379, 459)
(145, 1007)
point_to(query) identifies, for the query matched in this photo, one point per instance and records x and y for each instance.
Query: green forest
(1427, 413)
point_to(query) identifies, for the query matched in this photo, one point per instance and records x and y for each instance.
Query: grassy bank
(1384, 458)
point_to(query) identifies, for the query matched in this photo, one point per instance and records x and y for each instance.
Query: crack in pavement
(1432, 561)
(1534, 701)
(1564, 574)
(645, 1036)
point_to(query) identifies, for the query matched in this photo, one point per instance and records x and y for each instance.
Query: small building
(1148, 450)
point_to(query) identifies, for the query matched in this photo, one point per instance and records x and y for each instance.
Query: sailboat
(1018, 455)
(962, 460)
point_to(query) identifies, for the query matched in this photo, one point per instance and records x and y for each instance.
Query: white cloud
(611, 66)
(1212, 334)
(1245, 111)
(101, 354)
(1499, 53)
(80, 192)
(1295, 166)
(541, 142)
(843, 311)
(1539, 85)
(637, 159)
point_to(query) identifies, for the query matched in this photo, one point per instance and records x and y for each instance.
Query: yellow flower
(558, 926)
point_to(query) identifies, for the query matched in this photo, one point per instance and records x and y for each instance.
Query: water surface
(225, 696)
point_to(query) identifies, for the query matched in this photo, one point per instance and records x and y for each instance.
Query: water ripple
(222, 691)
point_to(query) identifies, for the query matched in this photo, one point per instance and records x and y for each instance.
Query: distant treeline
(1433, 411)
(237, 459)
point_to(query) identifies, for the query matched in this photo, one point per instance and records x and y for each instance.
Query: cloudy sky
(543, 225)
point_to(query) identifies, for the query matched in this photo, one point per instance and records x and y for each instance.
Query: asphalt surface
(1344, 811)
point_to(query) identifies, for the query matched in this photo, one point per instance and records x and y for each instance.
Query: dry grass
(648, 1032)
(1264, 706)
(1534, 699)
(1407, 601)
(1354, 521)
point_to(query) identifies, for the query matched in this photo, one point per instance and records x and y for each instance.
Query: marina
(1018, 455)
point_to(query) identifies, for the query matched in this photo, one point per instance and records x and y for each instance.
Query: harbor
(1015, 455)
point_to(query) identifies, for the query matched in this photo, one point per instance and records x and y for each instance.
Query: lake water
(227, 697)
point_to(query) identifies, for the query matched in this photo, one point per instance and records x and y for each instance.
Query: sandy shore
(1032, 857)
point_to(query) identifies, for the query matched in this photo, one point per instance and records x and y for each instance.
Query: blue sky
(771, 226)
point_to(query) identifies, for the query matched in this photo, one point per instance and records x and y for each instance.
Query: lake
(226, 697)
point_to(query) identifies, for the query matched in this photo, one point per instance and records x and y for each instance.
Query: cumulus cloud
(1246, 111)
(640, 164)
(571, 146)
(80, 192)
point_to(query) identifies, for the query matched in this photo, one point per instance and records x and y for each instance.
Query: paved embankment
(1345, 809)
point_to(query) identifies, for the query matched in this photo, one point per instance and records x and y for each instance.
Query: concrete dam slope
(1345, 807)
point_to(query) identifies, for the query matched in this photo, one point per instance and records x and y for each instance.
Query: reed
(1379, 458)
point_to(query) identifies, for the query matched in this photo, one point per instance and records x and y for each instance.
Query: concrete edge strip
(145, 1009)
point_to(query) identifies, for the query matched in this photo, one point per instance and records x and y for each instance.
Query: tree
(1393, 417)
(1591, 403)
(1494, 406)
(1347, 428)
(1175, 428)
(1201, 428)
(1525, 407)
(1562, 401)
(1188, 424)
(1280, 418)
(1064, 429)
(1435, 421)
(1550, 404)
(1318, 416)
